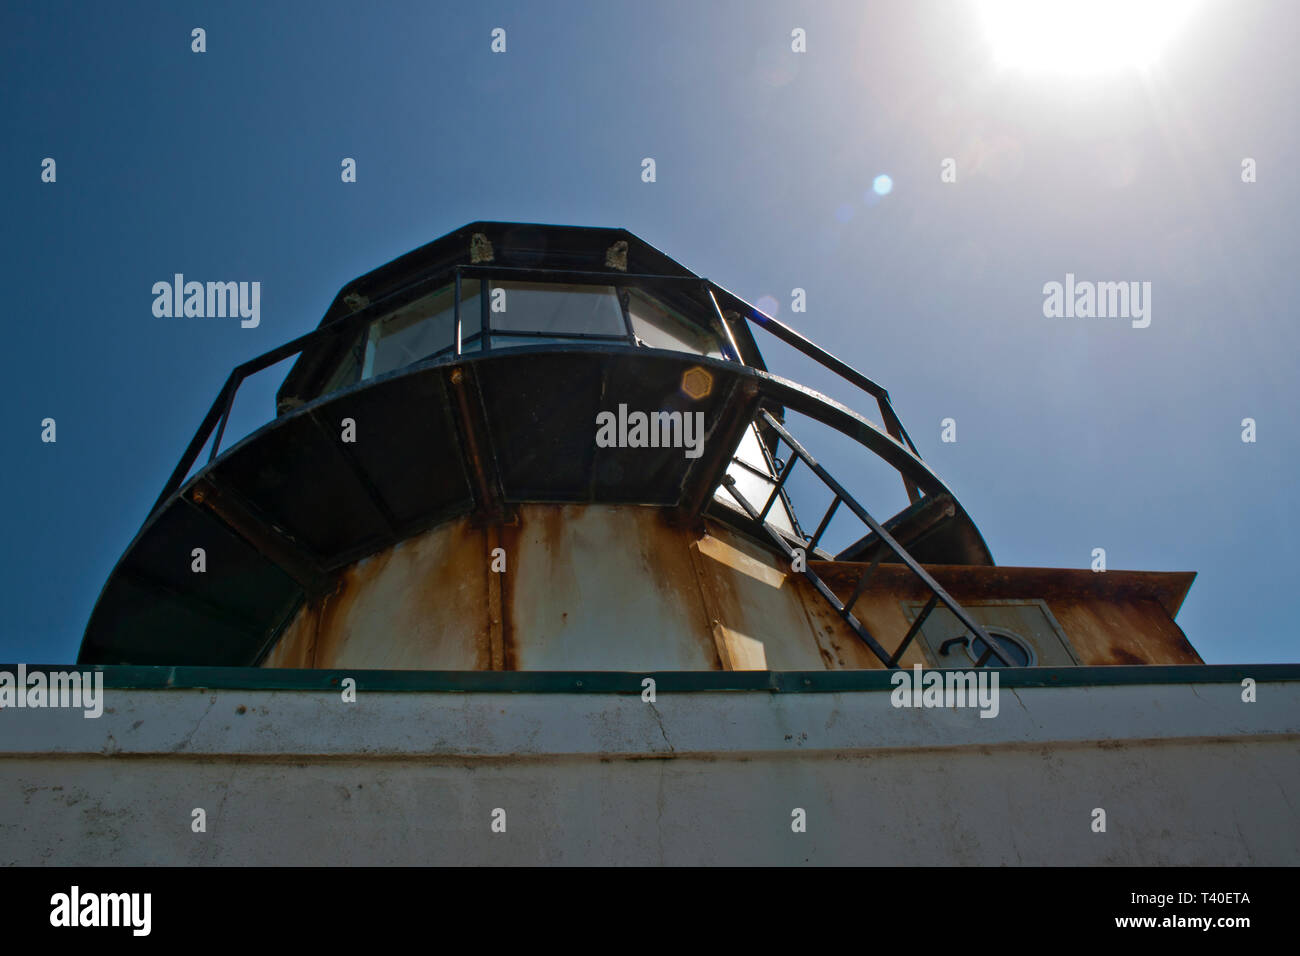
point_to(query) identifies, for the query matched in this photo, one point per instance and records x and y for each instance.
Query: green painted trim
(132, 677)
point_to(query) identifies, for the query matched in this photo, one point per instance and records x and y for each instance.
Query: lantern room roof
(527, 249)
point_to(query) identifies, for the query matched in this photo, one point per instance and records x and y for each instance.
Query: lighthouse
(545, 556)
(531, 448)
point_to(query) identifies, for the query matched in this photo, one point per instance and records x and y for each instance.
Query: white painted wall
(1187, 774)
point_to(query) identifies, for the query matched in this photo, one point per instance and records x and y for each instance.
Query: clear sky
(1072, 433)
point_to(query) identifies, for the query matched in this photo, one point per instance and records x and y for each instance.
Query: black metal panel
(138, 624)
(302, 483)
(407, 448)
(647, 383)
(241, 582)
(542, 411)
(935, 530)
(541, 417)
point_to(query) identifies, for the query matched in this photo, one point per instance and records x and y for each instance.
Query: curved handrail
(770, 391)
(214, 422)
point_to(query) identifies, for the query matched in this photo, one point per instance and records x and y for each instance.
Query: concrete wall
(1187, 774)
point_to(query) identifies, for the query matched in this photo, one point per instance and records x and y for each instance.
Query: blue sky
(1072, 433)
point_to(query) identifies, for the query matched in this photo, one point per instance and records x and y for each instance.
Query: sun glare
(1081, 36)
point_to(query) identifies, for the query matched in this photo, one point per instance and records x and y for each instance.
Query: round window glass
(1010, 647)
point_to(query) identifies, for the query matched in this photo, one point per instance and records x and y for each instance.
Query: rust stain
(314, 631)
(336, 607)
(1122, 655)
(424, 603)
(971, 582)
(677, 579)
(613, 578)
(1181, 642)
(1101, 614)
(504, 654)
(293, 649)
(1097, 626)
(495, 631)
(839, 647)
(407, 607)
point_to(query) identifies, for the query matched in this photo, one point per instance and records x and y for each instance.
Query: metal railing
(215, 421)
(845, 608)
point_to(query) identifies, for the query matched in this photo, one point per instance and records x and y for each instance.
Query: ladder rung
(914, 630)
(780, 483)
(862, 583)
(821, 528)
(886, 540)
(856, 626)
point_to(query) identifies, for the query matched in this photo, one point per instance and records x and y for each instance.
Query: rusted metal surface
(713, 611)
(423, 604)
(1167, 588)
(1111, 617)
(763, 624)
(610, 587)
(297, 645)
(496, 602)
(478, 464)
(584, 587)
(1123, 631)
(507, 537)
(618, 587)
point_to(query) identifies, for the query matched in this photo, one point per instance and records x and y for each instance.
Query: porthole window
(1014, 648)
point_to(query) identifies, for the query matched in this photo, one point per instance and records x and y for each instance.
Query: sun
(1081, 37)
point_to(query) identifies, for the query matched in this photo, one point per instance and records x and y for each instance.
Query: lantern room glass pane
(659, 327)
(348, 371)
(420, 329)
(411, 333)
(554, 309)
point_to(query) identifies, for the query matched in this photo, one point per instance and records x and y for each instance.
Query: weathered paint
(585, 587)
(1115, 617)
(1187, 773)
(422, 604)
(608, 586)
(763, 622)
(621, 587)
